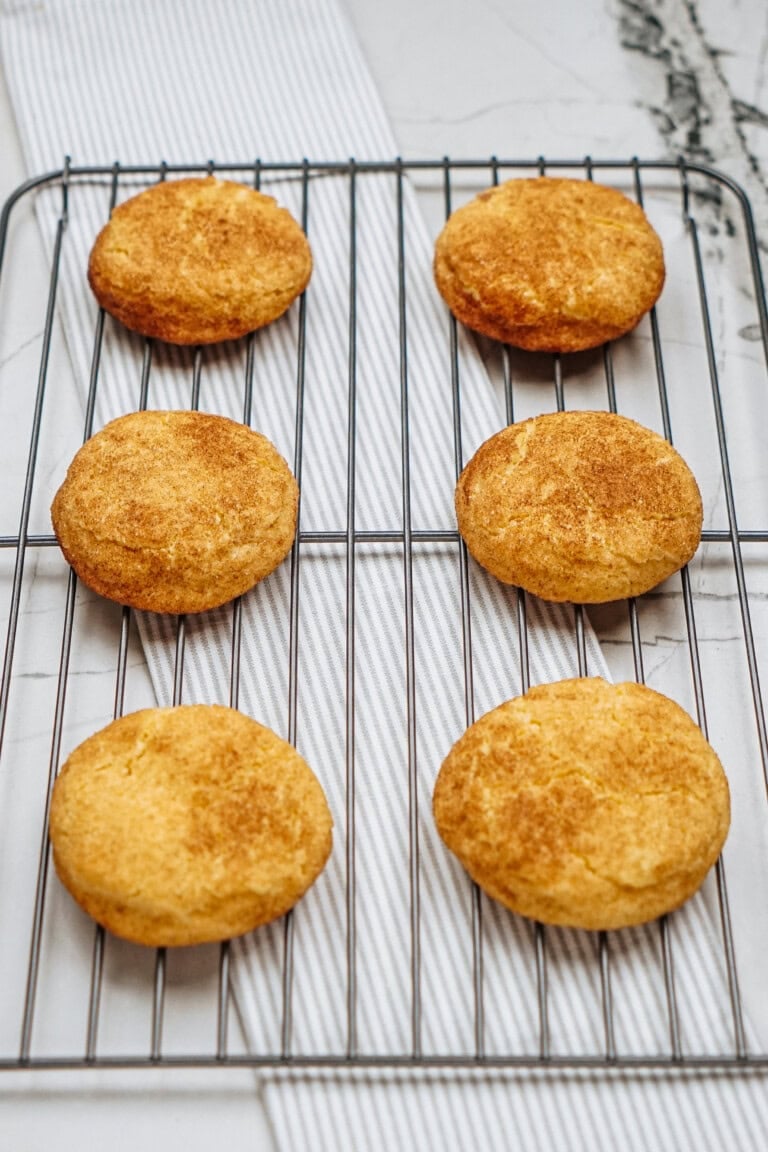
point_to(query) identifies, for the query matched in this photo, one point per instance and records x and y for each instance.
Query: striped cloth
(182, 81)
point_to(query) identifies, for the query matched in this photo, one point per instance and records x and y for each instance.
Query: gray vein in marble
(671, 643)
(503, 11)
(666, 639)
(695, 111)
(751, 332)
(35, 338)
(702, 596)
(749, 114)
(491, 109)
(762, 69)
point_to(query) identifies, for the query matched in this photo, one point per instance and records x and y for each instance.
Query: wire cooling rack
(700, 358)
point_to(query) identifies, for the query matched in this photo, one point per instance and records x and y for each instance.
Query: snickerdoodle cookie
(183, 825)
(197, 261)
(582, 506)
(585, 804)
(175, 511)
(549, 264)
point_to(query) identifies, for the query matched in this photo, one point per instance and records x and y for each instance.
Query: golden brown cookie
(175, 511)
(550, 265)
(184, 825)
(585, 804)
(200, 260)
(583, 506)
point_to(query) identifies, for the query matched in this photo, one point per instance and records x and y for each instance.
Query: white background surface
(468, 79)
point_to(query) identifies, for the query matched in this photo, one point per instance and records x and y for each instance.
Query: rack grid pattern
(695, 184)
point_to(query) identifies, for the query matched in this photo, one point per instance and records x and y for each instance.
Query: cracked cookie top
(582, 506)
(177, 826)
(585, 804)
(198, 261)
(175, 511)
(549, 264)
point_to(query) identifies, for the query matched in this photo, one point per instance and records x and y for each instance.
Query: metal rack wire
(694, 185)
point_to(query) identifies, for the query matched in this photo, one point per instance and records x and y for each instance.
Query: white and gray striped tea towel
(181, 80)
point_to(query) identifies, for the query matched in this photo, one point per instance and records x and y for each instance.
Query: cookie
(185, 825)
(175, 511)
(198, 261)
(582, 506)
(585, 804)
(550, 265)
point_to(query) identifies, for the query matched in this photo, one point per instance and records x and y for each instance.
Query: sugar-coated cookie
(549, 264)
(175, 511)
(585, 804)
(197, 261)
(185, 825)
(582, 506)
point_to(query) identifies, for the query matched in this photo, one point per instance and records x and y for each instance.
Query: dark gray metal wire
(540, 936)
(469, 693)
(603, 947)
(410, 659)
(97, 961)
(351, 906)
(21, 540)
(740, 1042)
(44, 854)
(667, 953)
(222, 1007)
(158, 1007)
(293, 642)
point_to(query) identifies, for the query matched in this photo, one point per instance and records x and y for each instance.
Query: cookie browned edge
(579, 506)
(175, 511)
(549, 264)
(199, 261)
(585, 804)
(187, 825)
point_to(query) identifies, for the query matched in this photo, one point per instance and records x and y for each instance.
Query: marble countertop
(476, 78)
